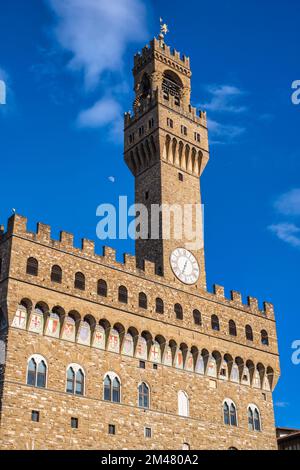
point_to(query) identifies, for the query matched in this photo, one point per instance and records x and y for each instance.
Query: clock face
(185, 266)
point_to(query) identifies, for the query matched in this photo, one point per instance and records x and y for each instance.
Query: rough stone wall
(169, 431)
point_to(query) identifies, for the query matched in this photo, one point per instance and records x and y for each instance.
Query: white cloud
(97, 32)
(105, 112)
(289, 203)
(223, 133)
(3, 86)
(287, 232)
(282, 404)
(224, 99)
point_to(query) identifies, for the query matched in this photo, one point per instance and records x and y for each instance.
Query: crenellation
(269, 310)
(43, 232)
(253, 304)
(109, 254)
(219, 291)
(88, 247)
(130, 262)
(66, 240)
(236, 297)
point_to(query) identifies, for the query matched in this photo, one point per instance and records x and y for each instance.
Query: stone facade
(133, 341)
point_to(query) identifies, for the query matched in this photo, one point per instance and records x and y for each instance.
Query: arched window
(79, 382)
(229, 413)
(116, 398)
(171, 86)
(178, 312)
(143, 301)
(32, 267)
(144, 395)
(226, 413)
(249, 333)
(232, 328)
(37, 371)
(233, 419)
(254, 421)
(123, 295)
(56, 274)
(183, 404)
(215, 324)
(112, 388)
(102, 288)
(70, 380)
(75, 380)
(159, 303)
(79, 281)
(197, 317)
(264, 338)
(107, 388)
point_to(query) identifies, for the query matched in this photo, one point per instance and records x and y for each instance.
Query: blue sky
(67, 67)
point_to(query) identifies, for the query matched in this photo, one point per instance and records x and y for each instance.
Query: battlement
(17, 226)
(252, 304)
(159, 48)
(190, 112)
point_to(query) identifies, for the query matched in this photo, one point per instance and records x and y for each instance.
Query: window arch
(32, 267)
(254, 420)
(159, 305)
(229, 413)
(215, 324)
(102, 288)
(75, 380)
(144, 395)
(112, 388)
(123, 295)
(143, 301)
(197, 317)
(37, 371)
(264, 338)
(183, 404)
(249, 333)
(79, 281)
(178, 311)
(56, 274)
(232, 328)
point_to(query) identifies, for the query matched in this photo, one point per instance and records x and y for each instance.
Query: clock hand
(184, 268)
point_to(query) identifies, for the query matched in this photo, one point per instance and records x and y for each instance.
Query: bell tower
(166, 149)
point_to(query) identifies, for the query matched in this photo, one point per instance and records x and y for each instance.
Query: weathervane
(163, 29)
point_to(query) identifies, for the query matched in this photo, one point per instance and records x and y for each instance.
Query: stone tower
(102, 354)
(166, 148)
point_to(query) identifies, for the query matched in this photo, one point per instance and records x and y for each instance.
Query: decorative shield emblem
(99, 338)
(84, 335)
(235, 374)
(141, 349)
(53, 325)
(155, 353)
(179, 359)
(69, 329)
(127, 347)
(212, 367)
(189, 363)
(168, 356)
(114, 341)
(200, 365)
(20, 318)
(36, 322)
